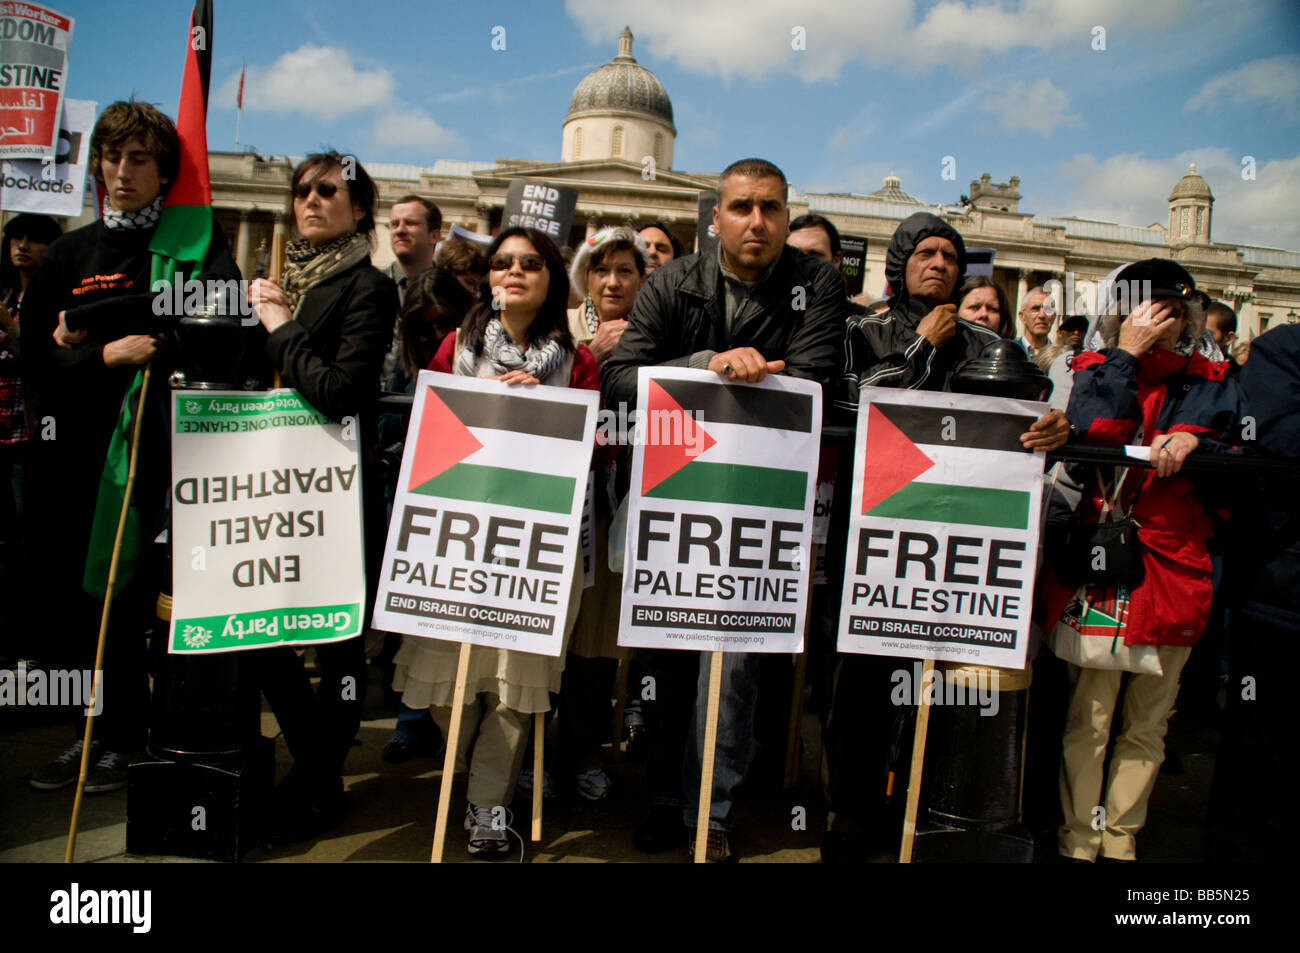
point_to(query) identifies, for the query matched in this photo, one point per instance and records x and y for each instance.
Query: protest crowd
(1212, 558)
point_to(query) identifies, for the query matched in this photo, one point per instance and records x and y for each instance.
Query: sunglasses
(501, 262)
(326, 190)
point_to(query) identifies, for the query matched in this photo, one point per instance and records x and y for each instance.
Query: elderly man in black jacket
(751, 309)
(916, 345)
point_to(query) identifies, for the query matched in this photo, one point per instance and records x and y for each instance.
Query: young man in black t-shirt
(75, 383)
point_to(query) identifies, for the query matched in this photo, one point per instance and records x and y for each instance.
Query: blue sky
(1008, 87)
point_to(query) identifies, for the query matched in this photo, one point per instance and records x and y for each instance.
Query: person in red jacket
(1149, 388)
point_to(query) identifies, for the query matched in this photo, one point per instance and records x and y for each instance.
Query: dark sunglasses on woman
(326, 190)
(501, 262)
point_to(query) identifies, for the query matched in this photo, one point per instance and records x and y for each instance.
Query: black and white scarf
(146, 217)
(592, 318)
(305, 267)
(505, 355)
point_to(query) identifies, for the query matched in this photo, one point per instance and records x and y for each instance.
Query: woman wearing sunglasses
(517, 333)
(329, 323)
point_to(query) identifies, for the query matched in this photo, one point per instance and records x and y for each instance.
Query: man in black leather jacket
(753, 308)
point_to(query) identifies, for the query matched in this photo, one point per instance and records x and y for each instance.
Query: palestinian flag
(713, 443)
(930, 463)
(1106, 616)
(179, 246)
(470, 446)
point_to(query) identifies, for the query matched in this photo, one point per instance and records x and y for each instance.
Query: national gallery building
(617, 151)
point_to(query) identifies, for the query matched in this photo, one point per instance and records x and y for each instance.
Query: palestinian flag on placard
(179, 247)
(948, 448)
(471, 444)
(713, 443)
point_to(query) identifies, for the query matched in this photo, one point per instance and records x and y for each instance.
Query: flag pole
(103, 619)
(239, 111)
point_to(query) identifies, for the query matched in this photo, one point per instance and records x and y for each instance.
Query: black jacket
(1266, 516)
(884, 350)
(681, 310)
(332, 353)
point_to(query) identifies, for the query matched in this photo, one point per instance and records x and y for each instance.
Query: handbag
(1090, 633)
(1107, 553)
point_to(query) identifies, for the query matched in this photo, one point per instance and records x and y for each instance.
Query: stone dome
(622, 86)
(892, 191)
(1191, 186)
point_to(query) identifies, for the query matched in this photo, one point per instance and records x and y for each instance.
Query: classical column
(593, 225)
(1022, 288)
(244, 243)
(484, 211)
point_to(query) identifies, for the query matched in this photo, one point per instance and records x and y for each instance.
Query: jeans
(675, 722)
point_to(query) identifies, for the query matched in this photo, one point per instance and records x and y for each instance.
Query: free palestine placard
(484, 538)
(943, 532)
(720, 512)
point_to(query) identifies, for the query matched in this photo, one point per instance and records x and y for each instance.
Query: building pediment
(595, 173)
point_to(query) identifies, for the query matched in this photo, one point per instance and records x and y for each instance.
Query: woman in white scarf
(518, 335)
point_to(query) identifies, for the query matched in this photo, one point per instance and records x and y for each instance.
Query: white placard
(266, 523)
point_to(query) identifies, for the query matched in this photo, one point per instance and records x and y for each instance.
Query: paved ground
(391, 808)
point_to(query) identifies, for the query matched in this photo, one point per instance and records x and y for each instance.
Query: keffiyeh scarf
(305, 267)
(505, 355)
(146, 217)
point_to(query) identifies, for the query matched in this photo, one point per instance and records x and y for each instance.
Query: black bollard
(202, 790)
(970, 805)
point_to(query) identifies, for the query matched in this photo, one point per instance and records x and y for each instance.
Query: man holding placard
(750, 309)
(918, 344)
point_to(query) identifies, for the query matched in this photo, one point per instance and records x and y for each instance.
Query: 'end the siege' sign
(544, 206)
(943, 530)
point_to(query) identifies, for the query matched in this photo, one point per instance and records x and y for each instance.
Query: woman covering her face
(1149, 387)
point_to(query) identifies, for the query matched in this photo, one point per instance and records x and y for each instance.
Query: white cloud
(1274, 81)
(1038, 107)
(1134, 190)
(753, 39)
(316, 81)
(414, 129)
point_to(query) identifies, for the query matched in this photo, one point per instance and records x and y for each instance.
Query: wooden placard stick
(706, 768)
(620, 699)
(918, 757)
(449, 759)
(96, 686)
(539, 743)
(277, 270)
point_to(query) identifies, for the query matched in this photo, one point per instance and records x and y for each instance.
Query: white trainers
(489, 830)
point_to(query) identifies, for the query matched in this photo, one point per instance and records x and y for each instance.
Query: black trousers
(1250, 818)
(319, 726)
